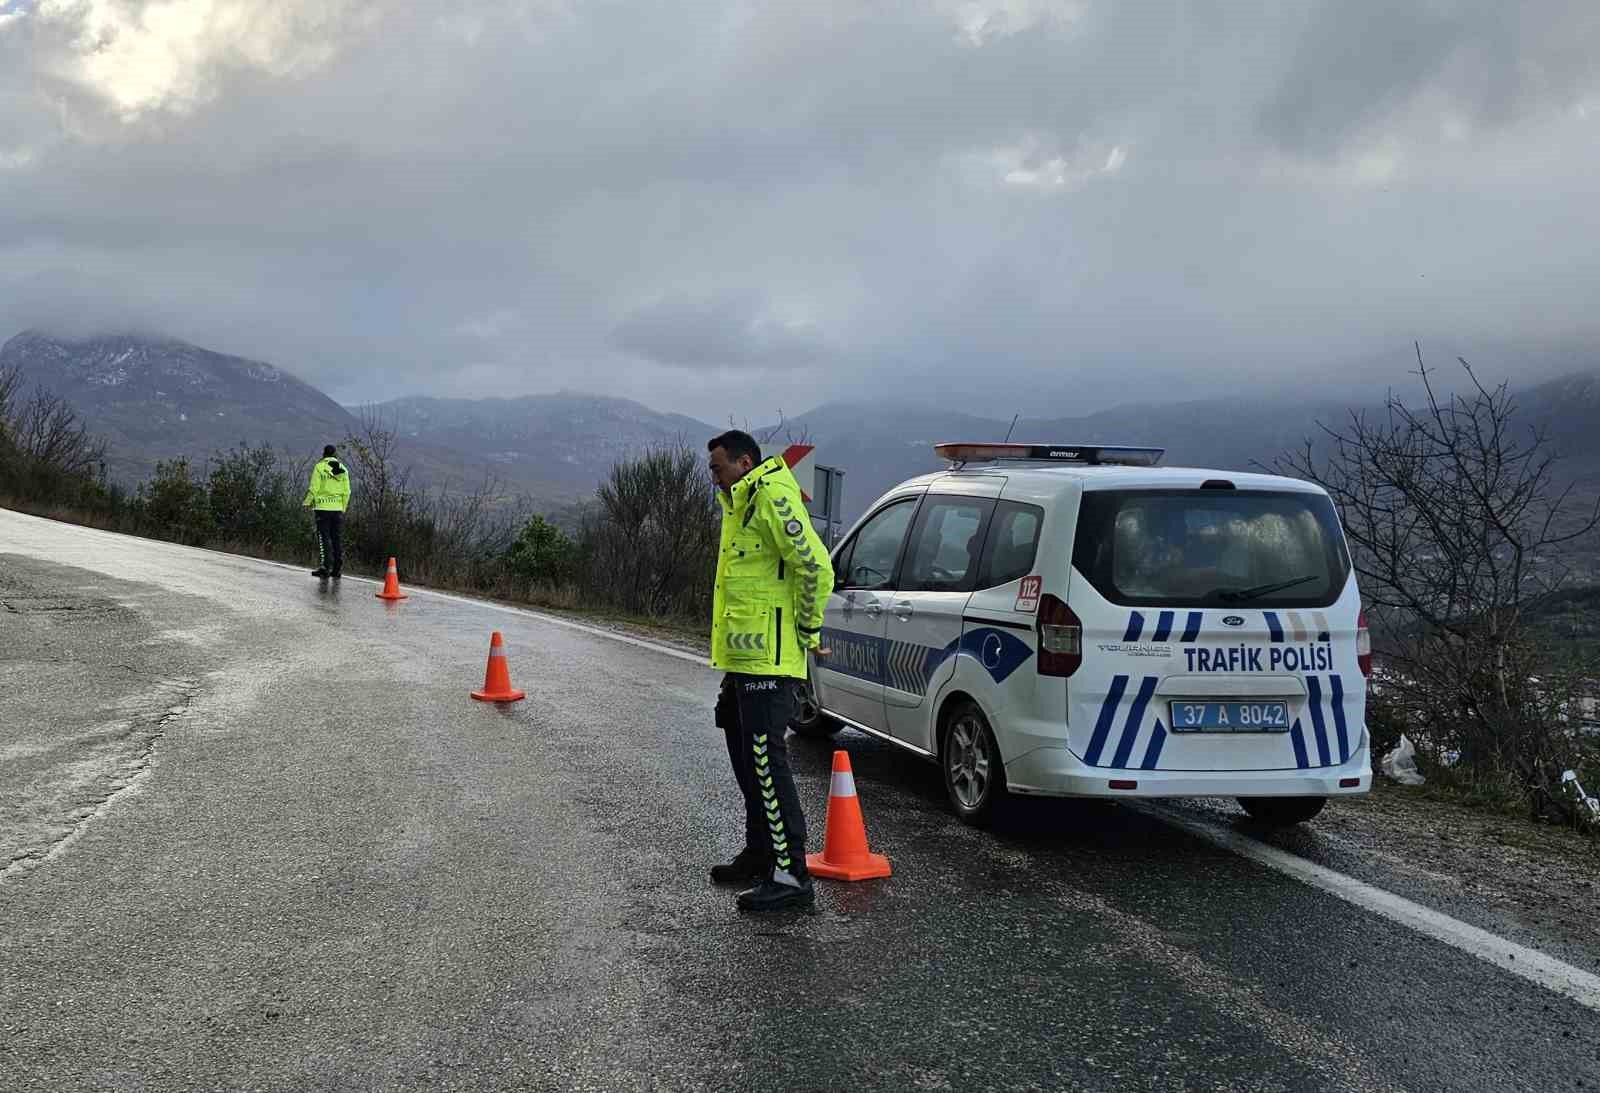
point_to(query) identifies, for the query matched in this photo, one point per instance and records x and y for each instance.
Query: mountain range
(568, 440)
(154, 399)
(158, 398)
(878, 446)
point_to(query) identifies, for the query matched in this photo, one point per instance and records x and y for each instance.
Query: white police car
(1078, 621)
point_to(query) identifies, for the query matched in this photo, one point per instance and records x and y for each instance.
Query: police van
(1064, 620)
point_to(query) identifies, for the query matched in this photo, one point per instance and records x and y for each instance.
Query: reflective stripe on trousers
(754, 712)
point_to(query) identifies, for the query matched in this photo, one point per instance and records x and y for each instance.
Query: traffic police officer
(329, 495)
(773, 580)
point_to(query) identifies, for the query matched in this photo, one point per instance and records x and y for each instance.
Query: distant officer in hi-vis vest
(329, 496)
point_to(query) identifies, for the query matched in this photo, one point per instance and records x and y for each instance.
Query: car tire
(974, 774)
(1282, 811)
(810, 723)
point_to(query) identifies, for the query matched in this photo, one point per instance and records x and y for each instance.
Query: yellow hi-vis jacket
(330, 485)
(773, 577)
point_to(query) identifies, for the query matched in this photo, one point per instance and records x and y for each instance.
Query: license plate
(1230, 717)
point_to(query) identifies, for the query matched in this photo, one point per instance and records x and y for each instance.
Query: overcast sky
(730, 207)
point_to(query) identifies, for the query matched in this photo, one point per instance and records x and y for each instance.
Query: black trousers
(330, 547)
(754, 714)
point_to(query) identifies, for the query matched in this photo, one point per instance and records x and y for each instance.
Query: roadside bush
(174, 504)
(255, 504)
(652, 542)
(542, 554)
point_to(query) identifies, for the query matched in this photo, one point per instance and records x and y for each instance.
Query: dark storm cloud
(1359, 63)
(730, 206)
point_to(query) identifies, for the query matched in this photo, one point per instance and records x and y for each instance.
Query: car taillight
(1364, 645)
(1060, 638)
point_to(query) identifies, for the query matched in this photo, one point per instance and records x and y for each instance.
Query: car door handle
(902, 610)
(873, 608)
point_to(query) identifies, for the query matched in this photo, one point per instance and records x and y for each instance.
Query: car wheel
(1282, 811)
(810, 723)
(974, 776)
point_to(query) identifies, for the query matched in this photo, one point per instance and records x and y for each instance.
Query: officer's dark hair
(327, 450)
(737, 444)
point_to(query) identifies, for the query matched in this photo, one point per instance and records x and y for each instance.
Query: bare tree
(10, 381)
(54, 441)
(1457, 527)
(383, 507)
(10, 384)
(653, 540)
(786, 430)
(468, 526)
(373, 448)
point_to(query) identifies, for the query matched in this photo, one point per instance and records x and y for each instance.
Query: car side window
(868, 562)
(1013, 544)
(946, 545)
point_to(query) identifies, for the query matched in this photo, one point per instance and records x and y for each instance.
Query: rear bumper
(1056, 772)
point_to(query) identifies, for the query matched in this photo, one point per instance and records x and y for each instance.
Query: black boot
(319, 572)
(776, 895)
(750, 865)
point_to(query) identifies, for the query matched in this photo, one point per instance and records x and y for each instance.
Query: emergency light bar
(1091, 454)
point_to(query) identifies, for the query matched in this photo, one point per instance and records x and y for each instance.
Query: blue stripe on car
(1102, 726)
(1130, 731)
(1163, 626)
(1274, 625)
(1152, 752)
(1338, 719)
(1192, 629)
(1314, 685)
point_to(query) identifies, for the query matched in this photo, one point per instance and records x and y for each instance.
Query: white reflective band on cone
(844, 784)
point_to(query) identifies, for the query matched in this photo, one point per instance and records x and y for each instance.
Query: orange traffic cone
(497, 678)
(844, 843)
(391, 584)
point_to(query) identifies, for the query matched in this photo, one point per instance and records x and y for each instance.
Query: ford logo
(1232, 620)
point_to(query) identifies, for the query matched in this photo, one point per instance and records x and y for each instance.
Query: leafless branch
(1456, 527)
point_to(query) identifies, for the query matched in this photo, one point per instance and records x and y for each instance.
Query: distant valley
(154, 399)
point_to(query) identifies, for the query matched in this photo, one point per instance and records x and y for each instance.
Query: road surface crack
(182, 692)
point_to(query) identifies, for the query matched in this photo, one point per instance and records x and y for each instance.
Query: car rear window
(1211, 548)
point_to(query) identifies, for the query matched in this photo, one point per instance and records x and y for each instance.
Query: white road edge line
(553, 620)
(1530, 964)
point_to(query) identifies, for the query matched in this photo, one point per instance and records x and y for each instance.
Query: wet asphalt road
(330, 869)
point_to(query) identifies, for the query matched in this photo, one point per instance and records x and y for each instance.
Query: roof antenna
(1013, 427)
